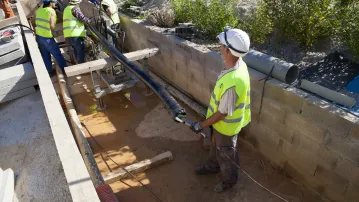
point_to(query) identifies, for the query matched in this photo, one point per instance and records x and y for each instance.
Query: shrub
(349, 19)
(163, 17)
(258, 25)
(209, 16)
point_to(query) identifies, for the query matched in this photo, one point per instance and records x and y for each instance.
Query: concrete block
(257, 81)
(215, 64)
(297, 158)
(271, 152)
(305, 127)
(255, 100)
(14, 44)
(324, 156)
(18, 86)
(277, 127)
(16, 94)
(344, 147)
(336, 120)
(331, 179)
(333, 195)
(275, 109)
(261, 133)
(290, 98)
(352, 193)
(348, 169)
(195, 79)
(304, 177)
(16, 74)
(18, 54)
(354, 134)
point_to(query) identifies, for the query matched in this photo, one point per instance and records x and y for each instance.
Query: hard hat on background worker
(236, 40)
(75, 1)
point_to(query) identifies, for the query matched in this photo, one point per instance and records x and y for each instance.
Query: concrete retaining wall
(313, 141)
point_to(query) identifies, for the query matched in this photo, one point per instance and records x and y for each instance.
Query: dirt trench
(131, 131)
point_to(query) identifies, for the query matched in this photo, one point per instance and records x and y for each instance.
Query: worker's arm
(52, 19)
(76, 11)
(213, 119)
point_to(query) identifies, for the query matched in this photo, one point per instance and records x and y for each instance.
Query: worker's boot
(205, 170)
(222, 186)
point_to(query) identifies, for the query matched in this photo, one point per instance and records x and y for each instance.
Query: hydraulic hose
(174, 109)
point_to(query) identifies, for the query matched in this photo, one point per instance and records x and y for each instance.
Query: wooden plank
(138, 167)
(16, 94)
(9, 21)
(76, 174)
(18, 86)
(7, 185)
(108, 62)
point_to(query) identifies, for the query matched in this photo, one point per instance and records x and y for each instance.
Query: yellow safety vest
(241, 116)
(71, 25)
(113, 7)
(42, 22)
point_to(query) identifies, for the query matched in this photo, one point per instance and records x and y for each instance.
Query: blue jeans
(78, 45)
(49, 46)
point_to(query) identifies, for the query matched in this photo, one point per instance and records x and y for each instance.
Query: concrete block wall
(313, 141)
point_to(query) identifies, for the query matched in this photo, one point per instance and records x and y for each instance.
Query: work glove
(196, 127)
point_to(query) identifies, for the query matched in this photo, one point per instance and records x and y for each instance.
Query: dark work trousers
(78, 46)
(224, 145)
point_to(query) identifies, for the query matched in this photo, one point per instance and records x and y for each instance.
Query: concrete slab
(18, 86)
(12, 75)
(27, 146)
(14, 44)
(16, 94)
(17, 54)
(7, 185)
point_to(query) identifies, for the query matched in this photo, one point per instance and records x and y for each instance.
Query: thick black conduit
(174, 109)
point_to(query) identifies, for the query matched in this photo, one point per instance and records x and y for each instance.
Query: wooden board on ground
(138, 167)
(7, 185)
(108, 62)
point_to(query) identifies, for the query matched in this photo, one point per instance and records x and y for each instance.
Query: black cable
(262, 95)
(103, 150)
(15, 25)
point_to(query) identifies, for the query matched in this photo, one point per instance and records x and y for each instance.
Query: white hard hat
(75, 1)
(236, 40)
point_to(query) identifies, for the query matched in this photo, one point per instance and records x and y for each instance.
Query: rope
(263, 187)
(262, 95)
(128, 172)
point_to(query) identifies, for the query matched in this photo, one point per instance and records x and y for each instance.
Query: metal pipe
(79, 134)
(283, 71)
(174, 109)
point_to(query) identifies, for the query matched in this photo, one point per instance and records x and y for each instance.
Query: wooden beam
(138, 167)
(108, 62)
(9, 21)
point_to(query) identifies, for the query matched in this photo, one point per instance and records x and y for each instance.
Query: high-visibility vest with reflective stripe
(114, 11)
(71, 25)
(42, 22)
(241, 116)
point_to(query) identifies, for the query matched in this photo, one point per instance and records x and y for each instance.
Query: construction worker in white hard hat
(74, 29)
(229, 109)
(45, 22)
(110, 8)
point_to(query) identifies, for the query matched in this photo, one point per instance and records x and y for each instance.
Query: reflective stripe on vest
(42, 22)
(71, 26)
(114, 11)
(241, 116)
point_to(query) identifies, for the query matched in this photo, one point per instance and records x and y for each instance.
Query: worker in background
(5, 5)
(111, 10)
(229, 109)
(74, 29)
(45, 22)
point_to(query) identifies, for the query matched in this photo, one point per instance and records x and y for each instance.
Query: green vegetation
(304, 21)
(208, 16)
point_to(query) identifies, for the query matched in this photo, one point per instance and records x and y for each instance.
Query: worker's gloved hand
(196, 127)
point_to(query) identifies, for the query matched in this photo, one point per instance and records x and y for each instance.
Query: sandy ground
(27, 146)
(141, 129)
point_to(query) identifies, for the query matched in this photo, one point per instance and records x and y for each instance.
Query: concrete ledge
(77, 176)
